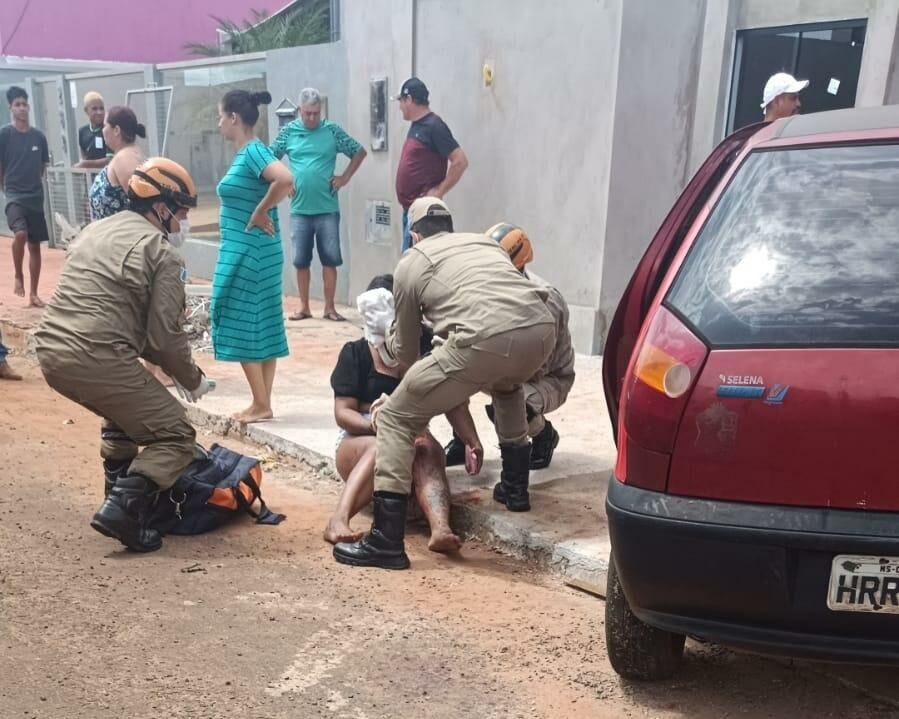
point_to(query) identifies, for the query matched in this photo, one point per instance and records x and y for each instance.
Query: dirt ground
(259, 622)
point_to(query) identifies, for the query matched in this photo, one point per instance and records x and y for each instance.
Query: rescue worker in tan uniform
(121, 298)
(494, 333)
(548, 389)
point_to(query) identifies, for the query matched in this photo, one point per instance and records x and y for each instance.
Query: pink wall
(124, 30)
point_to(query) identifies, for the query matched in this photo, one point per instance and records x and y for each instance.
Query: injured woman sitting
(361, 378)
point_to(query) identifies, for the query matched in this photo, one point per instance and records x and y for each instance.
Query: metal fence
(68, 202)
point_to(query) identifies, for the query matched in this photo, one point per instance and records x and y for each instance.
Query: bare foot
(253, 414)
(444, 542)
(36, 301)
(7, 372)
(339, 531)
(20, 287)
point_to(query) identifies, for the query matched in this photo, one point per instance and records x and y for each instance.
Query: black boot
(125, 513)
(113, 470)
(383, 545)
(543, 446)
(512, 489)
(455, 452)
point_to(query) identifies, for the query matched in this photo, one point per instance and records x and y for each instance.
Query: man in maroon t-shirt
(429, 146)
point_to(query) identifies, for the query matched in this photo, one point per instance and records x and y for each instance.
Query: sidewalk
(566, 529)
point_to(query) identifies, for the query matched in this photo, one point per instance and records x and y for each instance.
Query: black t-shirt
(23, 156)
(355, 374)
(92, 144)
(423, 159)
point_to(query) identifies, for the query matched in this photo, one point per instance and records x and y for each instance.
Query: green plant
(307, 23)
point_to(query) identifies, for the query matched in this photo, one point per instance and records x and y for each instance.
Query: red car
(752, 377)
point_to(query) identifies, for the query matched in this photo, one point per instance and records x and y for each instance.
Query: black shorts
(23, 219)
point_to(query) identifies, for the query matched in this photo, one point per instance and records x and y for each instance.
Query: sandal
(296, 316)
(334, 317)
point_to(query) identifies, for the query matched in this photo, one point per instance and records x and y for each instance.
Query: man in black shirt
(24, 157)
(432, 162)
(94, 152)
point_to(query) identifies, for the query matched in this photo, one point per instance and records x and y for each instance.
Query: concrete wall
(879, 56)
(658, 70)
(773, 13)
(538, 139)
(716, 61)
(378, 38)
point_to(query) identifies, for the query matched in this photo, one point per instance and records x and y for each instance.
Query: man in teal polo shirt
(311, 145)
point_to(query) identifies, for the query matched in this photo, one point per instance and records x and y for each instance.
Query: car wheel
(637, 650)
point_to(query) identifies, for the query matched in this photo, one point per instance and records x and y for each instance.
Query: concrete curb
(579, 568)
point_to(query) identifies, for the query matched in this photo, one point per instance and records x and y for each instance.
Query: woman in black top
(360, 378)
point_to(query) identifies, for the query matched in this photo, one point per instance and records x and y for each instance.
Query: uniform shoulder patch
(184, 275)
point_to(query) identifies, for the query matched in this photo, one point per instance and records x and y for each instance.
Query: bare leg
(355, 462)
(304, 278)
(329, 279)
(260, 409)
(18, 260)
(268, 375)
(432, 492)
(34, 269)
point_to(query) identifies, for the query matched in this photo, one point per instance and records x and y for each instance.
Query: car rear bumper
(749, 576)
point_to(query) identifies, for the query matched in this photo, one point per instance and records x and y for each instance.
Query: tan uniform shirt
(556, 377)
(467, 287)
(121, 296)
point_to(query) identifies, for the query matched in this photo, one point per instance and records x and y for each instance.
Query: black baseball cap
(416, 89)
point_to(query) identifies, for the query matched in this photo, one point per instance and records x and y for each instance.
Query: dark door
(829, 56)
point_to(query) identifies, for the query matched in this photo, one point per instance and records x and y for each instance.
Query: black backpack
(214, 488)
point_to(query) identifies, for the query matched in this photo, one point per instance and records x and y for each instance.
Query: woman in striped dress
(247, 315)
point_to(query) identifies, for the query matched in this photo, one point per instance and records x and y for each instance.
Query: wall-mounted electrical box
(378, 230)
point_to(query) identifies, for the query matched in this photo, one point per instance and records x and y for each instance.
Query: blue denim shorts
(322, 231)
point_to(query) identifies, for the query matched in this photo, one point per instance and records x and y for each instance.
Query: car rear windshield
(801, 249)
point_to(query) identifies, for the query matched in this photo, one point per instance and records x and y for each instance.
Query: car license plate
(864, 584)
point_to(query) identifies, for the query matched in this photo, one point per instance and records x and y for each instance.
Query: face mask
(176, 239)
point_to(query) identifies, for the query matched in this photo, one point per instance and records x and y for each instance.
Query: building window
(829, 55)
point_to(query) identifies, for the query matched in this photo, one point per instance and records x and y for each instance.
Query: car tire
(637, 650)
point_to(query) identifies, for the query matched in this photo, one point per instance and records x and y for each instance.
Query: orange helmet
(163, 179)
(513, 240)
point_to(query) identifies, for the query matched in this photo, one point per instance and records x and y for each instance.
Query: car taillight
(663, 370)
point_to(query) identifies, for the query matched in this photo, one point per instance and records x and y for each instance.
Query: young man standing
(94, 151)
(24, 157)
(429, 146)
(311, 145)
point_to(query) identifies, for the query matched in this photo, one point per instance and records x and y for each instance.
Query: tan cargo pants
(445, 379)
(137, 411)
(543, 396)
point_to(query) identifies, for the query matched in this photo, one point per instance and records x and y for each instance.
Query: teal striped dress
(247, 311)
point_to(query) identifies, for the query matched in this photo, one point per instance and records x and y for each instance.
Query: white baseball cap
(779, 84)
